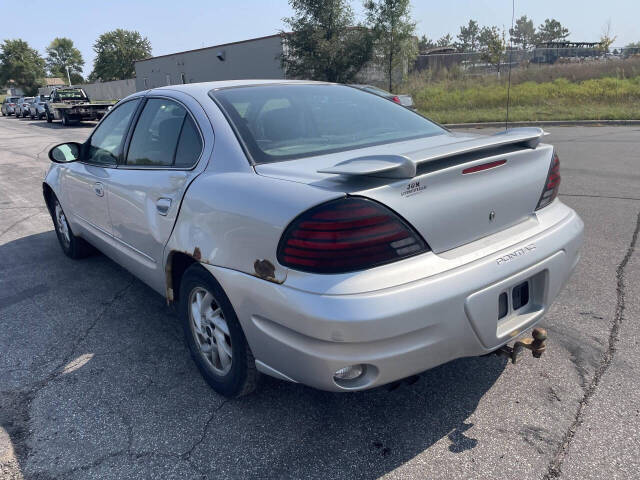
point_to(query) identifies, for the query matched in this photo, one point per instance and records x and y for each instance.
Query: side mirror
(65, 152)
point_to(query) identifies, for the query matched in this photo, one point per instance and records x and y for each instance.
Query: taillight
(346, 235)
(552, 184)
(396, 99)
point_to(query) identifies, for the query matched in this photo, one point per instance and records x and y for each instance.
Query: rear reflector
(552, 183)
(484, 166)
(346, 235)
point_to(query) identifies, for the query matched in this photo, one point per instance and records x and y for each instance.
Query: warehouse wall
(258, 58)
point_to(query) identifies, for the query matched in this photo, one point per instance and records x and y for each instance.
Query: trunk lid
(423, 181)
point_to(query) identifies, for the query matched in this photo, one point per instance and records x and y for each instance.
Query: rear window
(74, 94)
(282, 122)
(377, 91)
(28, 99)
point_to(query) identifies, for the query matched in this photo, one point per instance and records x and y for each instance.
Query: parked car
(22, 107)
(9, 105)
(323, 235)
(404, 100)
(38, 107)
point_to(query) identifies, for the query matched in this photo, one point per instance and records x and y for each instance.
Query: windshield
(75, 94)
(282, 122)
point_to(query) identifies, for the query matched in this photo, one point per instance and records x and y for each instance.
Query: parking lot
(96, 381)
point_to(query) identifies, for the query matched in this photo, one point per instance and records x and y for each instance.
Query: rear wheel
(214, 335)
(49, 116)
(65, 119)
(72, 246)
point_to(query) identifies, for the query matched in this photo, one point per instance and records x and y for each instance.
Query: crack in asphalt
(14, 416)
(597, 196)
(18, 222)
(187, 454)
(555, 466)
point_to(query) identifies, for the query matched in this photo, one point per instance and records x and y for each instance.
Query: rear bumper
(405, 329)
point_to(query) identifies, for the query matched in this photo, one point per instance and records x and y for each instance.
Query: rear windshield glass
(28, 99)
(13, 99)
(75, 94)
(44, 98)
(282, 122)
(376, 90)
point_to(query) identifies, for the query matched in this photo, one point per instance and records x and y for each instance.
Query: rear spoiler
(400, 166)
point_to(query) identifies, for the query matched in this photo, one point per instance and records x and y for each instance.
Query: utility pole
(68, 75)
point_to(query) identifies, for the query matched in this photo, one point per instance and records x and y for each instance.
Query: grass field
(561, 92)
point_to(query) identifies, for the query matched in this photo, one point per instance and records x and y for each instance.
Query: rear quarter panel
(233, 219)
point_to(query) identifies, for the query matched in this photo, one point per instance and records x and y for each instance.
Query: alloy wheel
(61, 225)
(210, 330)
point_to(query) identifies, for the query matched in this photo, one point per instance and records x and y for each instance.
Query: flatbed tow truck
(72, 105)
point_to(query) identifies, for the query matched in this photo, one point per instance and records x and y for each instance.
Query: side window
(106, 142)
(189, 145)
(164, 136)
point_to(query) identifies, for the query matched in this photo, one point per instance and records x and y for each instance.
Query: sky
(173, 26)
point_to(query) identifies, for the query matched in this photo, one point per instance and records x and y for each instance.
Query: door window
(165, 136)
(105, 144)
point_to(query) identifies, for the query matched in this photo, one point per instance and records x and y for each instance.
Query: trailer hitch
(535, 343)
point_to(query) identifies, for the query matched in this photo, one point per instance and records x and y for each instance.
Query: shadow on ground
(99, 384)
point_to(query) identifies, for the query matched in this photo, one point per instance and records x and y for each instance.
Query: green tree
(116, 53)
(425, 43)
(607, 37)
(324, 43)
(550, 31)
(445, 41)
(394, 32)
(492, 45)
(62, 54)
(468, 37)
(22, 65)
(523, 34)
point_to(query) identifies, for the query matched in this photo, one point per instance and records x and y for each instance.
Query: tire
(49, 117)
(72, 246)
(65, 119)
(239, 376)
(32, 116)
(17, 115)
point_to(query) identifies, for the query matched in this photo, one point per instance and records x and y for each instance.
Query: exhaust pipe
(535, 343)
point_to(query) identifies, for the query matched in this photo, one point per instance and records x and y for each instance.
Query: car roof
(201, 90)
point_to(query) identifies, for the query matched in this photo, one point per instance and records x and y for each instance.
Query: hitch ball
(538, 345)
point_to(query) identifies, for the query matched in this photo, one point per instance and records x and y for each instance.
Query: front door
(85, 183)
(146, 190)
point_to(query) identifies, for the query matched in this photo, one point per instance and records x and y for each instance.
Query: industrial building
(253, 58)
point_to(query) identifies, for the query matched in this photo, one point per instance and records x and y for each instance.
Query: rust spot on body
(196, 254)
(265, 269)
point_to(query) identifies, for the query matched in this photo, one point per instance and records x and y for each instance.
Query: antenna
(513, 15)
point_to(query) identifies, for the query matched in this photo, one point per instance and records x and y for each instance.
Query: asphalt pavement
(96, 381)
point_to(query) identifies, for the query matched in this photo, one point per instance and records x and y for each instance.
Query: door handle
(99, 189)
(162, 205)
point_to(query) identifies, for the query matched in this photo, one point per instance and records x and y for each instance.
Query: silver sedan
(317, 233)
(38, 107)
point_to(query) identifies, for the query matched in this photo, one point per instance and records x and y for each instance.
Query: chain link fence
(445, 62)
